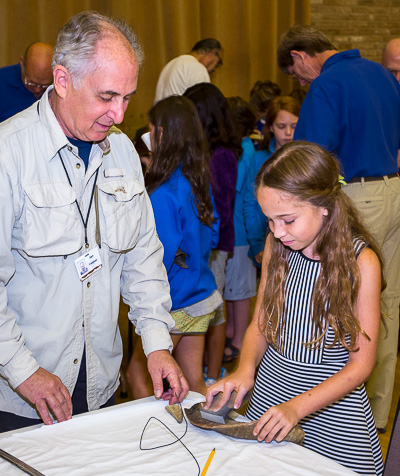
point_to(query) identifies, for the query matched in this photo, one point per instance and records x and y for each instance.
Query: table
(106, 442)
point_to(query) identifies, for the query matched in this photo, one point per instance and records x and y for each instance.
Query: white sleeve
(145, 287)
(16, 361)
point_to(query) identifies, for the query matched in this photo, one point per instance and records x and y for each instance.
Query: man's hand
(46, 391)
(162, 365)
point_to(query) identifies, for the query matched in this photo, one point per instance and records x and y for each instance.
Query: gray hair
(301, 38)
(78, 38)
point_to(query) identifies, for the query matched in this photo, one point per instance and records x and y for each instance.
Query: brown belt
(371, 179)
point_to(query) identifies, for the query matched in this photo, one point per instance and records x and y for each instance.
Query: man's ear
(299, 55)
(61, 79)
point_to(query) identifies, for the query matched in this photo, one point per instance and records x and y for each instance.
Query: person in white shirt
(187, 70)
(71, 189)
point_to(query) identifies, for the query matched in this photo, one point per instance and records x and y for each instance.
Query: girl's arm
(253, 349)
(285, 416)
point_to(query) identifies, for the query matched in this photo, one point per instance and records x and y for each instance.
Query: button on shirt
(47, 315)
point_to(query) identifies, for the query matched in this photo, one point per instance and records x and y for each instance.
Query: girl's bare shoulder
(368, 260)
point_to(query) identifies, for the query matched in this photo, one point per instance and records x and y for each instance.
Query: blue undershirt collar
(84, 149)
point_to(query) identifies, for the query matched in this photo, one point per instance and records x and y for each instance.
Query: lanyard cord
(85, 223)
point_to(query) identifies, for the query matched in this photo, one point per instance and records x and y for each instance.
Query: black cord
(173, 442)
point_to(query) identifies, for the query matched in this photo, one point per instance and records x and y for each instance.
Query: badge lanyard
(85, 222)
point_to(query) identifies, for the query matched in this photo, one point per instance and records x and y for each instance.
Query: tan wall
(364, 24)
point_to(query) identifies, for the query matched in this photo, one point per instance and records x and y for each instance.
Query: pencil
(208, 462)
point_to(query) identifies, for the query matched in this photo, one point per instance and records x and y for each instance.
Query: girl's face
(283, 128)
(297, 224)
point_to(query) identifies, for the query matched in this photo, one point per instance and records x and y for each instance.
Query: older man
(190, 69)
(72, 193)
(353, 109)
(23, 83)
(391, 57)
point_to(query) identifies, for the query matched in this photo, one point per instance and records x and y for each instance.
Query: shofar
(235, 429)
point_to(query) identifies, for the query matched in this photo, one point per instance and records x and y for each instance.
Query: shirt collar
(14, 80)
(339, 57)
(17, 80)
(272, 145)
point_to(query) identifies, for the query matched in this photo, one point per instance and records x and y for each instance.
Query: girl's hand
(276, 422)
(239, 381)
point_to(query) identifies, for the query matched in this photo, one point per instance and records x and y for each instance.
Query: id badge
(88, 264)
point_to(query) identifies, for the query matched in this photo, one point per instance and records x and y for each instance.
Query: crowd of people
(300, 191)
(285, 337)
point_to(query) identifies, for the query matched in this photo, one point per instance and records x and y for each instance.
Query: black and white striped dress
(345, 430)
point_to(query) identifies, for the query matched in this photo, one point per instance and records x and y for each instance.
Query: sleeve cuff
(22, 366)
(156, 339)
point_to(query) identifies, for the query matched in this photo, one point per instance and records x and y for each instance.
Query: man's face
(88, 111)
(305, 68)
(391, 61)
(36, 75)
(213, 60)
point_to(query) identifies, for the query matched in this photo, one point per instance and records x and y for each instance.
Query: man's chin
(98, 136)
(100, 132)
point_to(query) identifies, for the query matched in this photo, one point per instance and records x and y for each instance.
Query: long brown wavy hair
(310, 174)
(180, 140)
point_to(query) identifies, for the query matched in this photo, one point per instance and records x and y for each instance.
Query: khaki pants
(379, 203)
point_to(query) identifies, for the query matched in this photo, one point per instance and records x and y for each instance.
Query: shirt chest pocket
(52, 225)
(121, 202)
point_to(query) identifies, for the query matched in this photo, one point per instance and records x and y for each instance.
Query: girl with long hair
(178, 183)
(241, 273)
(280, 123)
(316, 321)
(225, 148)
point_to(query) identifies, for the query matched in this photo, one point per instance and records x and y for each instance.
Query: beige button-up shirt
(47, 315)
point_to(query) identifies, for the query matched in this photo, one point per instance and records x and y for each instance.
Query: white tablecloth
(107, 443)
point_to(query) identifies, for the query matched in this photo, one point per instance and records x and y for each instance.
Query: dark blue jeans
(10, 421)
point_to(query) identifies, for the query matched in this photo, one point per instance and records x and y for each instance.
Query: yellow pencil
(208, 462)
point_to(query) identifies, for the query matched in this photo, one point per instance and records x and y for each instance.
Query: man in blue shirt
(353, 110)
(23, 83)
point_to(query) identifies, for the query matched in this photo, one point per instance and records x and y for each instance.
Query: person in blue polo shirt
(353, 110)
(24, 83)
